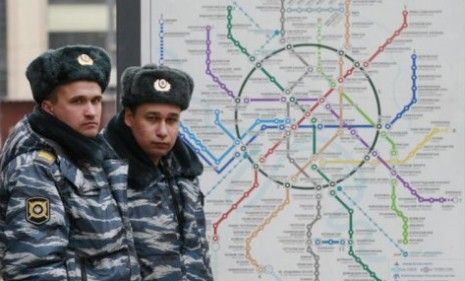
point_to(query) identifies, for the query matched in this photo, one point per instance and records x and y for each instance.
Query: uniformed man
(165, 202)
(63, 214)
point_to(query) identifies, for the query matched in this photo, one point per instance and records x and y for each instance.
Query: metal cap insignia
(84, 59)
(161, 85)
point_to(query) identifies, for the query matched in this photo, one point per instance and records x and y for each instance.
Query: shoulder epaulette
(46, 157)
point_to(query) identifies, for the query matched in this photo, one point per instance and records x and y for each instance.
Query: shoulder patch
(37, 210)
(46, 157)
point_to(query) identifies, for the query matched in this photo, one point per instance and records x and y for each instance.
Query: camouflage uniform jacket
(166, 212)
(58, 221)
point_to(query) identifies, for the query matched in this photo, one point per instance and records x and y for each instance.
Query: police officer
(165, 202)
(63, 214)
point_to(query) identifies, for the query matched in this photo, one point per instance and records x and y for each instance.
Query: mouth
(160, 145)
(90, 124)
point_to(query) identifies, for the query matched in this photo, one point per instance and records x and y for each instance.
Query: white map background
(332, 133)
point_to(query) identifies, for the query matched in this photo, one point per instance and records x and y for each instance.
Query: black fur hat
(67, 64)
(156, 84)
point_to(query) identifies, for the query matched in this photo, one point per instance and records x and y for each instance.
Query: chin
(158, 153)
(90, 133)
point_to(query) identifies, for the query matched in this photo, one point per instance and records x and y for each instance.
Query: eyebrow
(77, 98)
(173, 115)
(85, 97)
(156, 113)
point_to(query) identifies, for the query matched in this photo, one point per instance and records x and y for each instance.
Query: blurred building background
(30, 27)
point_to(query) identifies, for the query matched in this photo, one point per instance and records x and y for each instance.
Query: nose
(162, 130)
(90, 111)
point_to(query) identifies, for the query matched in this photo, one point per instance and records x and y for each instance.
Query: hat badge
(84, 59)
(161, 85)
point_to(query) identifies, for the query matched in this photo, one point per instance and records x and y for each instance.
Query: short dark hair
(52, 96)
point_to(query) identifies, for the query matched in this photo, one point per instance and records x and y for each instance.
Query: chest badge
(37, 210)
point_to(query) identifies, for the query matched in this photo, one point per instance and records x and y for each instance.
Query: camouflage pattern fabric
(58, 221)
(162, 254)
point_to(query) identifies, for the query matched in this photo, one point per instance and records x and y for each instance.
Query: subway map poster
(331, 132)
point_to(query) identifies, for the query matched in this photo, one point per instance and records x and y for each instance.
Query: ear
(128, 117)
(47, 106)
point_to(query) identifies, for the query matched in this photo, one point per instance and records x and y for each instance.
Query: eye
(78, 100)
(172, 120)
(96, 101)
(151, 118)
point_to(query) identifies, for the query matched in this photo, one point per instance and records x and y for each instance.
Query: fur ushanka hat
(68, 64)
(156, 84)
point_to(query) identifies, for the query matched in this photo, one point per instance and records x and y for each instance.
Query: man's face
(78, 104)
(155, 127)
